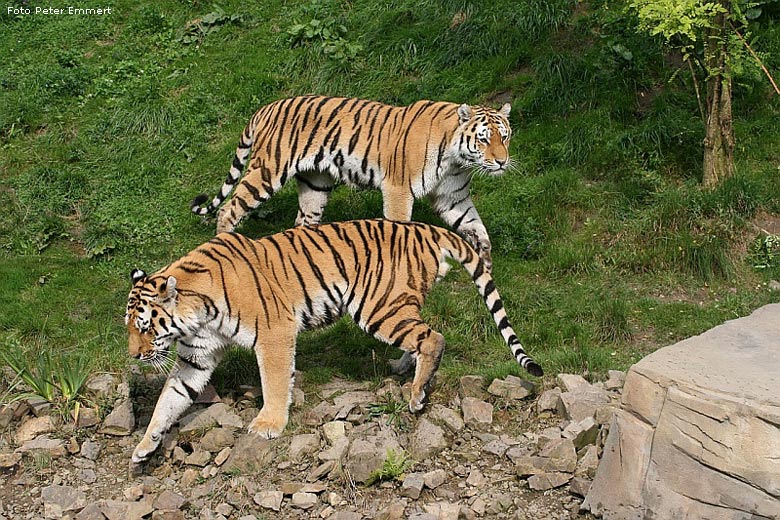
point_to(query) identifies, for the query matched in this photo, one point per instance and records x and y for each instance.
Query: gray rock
(698, 429)
(412, 485)
(571, 382)
(582, 433)
(121, 420)
(427, 440)
(250, 453)
(90, 449)
(582, 402)
(435, 478)
(345, 515)
(476, 413)
(54, 447)
(511, 388)
(269, 500)
(198, 458)
(101, 385)
(535, 465)
(545, 481)
(472, 386)
(561, 449)
(548, 401)
(87, 418)
(118, 510)
(579, 486)
(335, 452)
(496, 447)
(58, 500)
(34, 427)
(616, 380)
(87, 475)
(334, 430)
(588, 463)
(169, 501)
(222, 456)
(349, 400)
(91, 512)
(321, 413)
(476, 479)
(303, 500)
(9, 460)
(321, 470)
(773, 285)
(366, 455)
(443, 510)
(446, 416)
(303, 444)
(394, 511)
(218, 414)
(217, 439)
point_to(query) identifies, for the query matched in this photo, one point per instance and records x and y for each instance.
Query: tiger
(426, 149)
(260, 294)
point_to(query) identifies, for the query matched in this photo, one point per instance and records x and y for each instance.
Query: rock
(198, 458)
(269, 500)
(443, 510)
(222, 456)
(321, 413)
(394, 511)
(412, 485)
(207, 396)
(511, 388)
(496, 447)
(366, 455)
(87, 418)
(476, 479)
(579, 486)
(582, 402)
(472, 386)
(545, 481)
(427, 440)
(34, 427)
(101, 385)
(321, 470)
(169, 501)
(9, 460)
(116, 510)
(250, 453)
(86, 475)
(58, 500)
(476, 413)
(218, 414)
(773, 285)
(304, 500)
(435, 478)
(698, 429)
(54, 447)
(349, 400)
(335, 452)
(304, 444)
(446, 416)
(121, 420)
(188, 478)
(616, 380)
(334, 430)
(582, 432)
(7, 414)
(562, 450)
(571, 382)
(345, 515)
(548, 400)
(588, 463)
(552, 433)
(217, 439)
(90, 449)
(134, 493)
(39, 406)
(91, 512)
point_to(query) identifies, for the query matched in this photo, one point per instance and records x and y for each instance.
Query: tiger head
(150, 322)
(484, 137)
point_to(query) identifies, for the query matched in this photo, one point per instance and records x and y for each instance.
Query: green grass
(605, 246)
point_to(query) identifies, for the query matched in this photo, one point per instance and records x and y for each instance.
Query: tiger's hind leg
(314, 190)
(420, 342)
(276, 360)
(255, 188)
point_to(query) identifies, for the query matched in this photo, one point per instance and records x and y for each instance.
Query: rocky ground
(505, 449)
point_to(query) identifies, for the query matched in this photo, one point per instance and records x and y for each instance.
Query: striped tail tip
(534, 369)
(197, 202)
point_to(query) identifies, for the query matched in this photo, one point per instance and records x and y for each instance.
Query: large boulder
(698, 432)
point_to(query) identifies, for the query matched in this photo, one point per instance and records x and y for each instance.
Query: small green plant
(388, 407)
(765, 252)
(37, 376)
(329, 33)
(393, 468)
(197, 30)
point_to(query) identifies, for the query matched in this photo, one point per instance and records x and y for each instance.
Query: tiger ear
(505, 110)
(136, 275)
(464, 113)
(168, 289)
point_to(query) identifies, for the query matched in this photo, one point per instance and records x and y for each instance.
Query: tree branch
(755, 56)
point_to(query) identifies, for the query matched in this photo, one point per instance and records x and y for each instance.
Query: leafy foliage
(393, 467)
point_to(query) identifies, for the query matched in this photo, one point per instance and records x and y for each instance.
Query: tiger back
(260, 294)
(428, 148)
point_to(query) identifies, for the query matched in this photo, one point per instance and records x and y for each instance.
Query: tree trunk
(719, 131)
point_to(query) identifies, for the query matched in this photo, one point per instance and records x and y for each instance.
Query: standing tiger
(425, 149)
(260, 294)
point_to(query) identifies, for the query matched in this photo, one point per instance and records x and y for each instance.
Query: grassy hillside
(605, 247)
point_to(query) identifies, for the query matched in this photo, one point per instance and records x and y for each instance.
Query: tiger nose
(137, 356)
(500, 163)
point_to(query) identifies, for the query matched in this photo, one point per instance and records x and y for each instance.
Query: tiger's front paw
(268, 426)
(145, 448)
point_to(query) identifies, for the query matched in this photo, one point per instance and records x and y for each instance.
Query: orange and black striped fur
(425, 149)
(260, 294)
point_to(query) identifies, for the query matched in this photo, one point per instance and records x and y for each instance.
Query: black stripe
(503, 324)
(191, 391)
